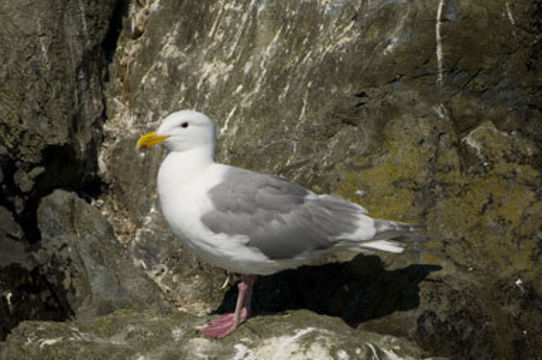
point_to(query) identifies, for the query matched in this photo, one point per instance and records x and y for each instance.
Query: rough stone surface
(51, 95)
(421, 111)
(81, 256)
(424, 111)
(51, 112)
(148, 335)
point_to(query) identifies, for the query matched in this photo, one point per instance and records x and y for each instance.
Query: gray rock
(8, 225)
(24, 180)
(16, 264)
(148, 335)
(51, 78)
(13, 252)
(421, 111)
(51, 112)
(51, 98)
(84, 261)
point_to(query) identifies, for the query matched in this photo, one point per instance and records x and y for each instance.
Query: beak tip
(150, 139)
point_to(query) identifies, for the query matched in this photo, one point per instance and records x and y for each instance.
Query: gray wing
(280, 218)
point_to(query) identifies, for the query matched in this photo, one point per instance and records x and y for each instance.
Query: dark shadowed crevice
(26, 217)
(533, 61)
(8, 185)
(109, 44)
(35, 291)
(31, 297)
(62, 171)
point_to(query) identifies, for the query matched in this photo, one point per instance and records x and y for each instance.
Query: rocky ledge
(129, 334)
(424, 111)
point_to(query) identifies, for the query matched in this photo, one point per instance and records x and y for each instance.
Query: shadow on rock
(356, 291)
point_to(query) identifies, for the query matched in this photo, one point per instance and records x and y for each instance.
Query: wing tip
(383, 245)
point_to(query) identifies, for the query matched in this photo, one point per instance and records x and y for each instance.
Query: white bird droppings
(48, 342)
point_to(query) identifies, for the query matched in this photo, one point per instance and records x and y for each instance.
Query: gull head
(181, 131)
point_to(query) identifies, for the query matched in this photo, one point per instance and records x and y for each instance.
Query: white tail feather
(383, 245)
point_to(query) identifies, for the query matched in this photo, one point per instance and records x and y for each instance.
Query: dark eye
(184, 125)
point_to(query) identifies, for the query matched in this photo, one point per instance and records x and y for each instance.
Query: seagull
(252, 223)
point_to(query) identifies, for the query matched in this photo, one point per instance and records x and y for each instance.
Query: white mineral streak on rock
(394, 41)
(43, 47)
(342, 355)
(299, 123)
(470, 141)
(509, 13)
(289, 347)
(227, 122)
(247, 67)
(48, 342)
(340, 39)
(77, 335)
(305, 101)
(242, 352)
(211, 72)
(441, 111)
(392, 355)
(373, 350)
(217, 19)
(439, 41)
(177, 333)
(238, 34)
(83, 18)
(284, 92)
(225, 131)
(8, 296)
(170, 50)
(395, 38)
(199, 347)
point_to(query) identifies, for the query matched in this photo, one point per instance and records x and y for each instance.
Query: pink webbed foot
(227, 323)
(224, 325)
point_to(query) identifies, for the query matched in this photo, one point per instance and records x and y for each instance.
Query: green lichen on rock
(418, 118)
(488, 212)
(389, 202)
(11, 109)
(149, 334)
(488, 146)
(486, 218)
(392, 183)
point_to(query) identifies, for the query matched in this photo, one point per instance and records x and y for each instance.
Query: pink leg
(247, 304)
(227, 323)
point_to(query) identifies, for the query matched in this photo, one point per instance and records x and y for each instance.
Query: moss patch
(486, 219)
(392, 184)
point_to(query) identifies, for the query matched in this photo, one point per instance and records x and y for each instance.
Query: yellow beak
(150, 139)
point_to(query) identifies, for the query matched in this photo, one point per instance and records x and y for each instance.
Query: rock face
(423, 111)
(51, 113)
(147, 335)
(51, 97)
(81, 253)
